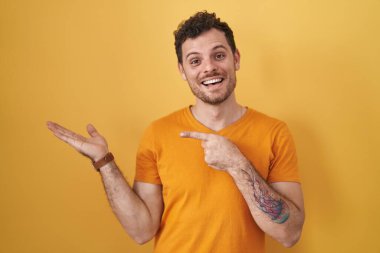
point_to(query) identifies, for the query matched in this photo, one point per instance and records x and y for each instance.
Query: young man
(212, 177)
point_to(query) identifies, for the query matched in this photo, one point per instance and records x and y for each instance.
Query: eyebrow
(219, 46)
(214, 48)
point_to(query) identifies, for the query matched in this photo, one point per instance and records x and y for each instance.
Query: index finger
(194, 135)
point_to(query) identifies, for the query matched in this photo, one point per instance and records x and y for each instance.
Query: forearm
(131, 211)
(274, 214)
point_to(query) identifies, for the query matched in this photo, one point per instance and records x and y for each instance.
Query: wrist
(105, 160)
(98, 155)
(108, 168)
(240, 164)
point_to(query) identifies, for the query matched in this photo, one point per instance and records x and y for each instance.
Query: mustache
(212, 74)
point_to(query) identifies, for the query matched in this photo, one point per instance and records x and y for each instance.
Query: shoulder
(266, 127)
(264, 121)
(159, 128)
(168, 123)
(169, 119)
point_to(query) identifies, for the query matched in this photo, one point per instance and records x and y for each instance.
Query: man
(213, 177)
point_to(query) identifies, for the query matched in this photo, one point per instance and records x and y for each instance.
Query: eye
(194, 62)
(220, 56)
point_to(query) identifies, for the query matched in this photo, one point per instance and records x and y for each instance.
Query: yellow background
(314, 64)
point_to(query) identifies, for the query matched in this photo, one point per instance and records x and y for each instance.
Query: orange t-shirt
(203, 209)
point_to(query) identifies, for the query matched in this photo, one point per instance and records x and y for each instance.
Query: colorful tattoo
(276, 209)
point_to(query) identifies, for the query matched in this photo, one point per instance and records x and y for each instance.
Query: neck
(217, 117)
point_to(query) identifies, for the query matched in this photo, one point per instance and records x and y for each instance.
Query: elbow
(143, 237)
(140, 234)
(289, 239)
(290, 235)
(290, 243)
(142, 240)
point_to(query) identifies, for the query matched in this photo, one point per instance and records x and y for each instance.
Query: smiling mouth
(212, 81)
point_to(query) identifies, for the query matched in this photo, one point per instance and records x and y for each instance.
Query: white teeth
(212, 81)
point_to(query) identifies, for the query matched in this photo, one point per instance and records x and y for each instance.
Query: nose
(209, 66)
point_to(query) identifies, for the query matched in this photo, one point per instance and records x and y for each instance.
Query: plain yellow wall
(314, 64)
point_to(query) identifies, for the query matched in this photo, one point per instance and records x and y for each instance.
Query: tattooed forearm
(275, 207)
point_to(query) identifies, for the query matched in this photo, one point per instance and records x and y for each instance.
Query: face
(209, 66)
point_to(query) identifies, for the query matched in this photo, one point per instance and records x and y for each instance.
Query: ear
(182, 71)
(237, 59)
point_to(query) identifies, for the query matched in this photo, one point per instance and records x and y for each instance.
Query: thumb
(92, 131)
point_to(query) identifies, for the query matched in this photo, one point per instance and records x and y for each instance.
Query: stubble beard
(216, 100)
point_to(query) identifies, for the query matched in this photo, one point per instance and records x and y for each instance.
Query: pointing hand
(220, 153)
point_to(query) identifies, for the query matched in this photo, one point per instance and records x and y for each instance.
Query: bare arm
(139, 209)
(277, 208)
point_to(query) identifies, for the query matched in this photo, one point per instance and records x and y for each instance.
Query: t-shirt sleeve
(146, 159)
(284, 165)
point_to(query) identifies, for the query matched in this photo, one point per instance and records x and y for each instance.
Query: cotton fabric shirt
(203, 209)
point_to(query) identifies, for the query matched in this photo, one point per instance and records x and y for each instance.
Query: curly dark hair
(198, 23)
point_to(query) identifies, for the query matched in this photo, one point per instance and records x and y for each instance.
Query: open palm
(95, 147)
